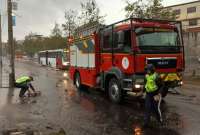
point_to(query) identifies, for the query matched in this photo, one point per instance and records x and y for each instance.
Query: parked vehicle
(114, 57)
(54, 58)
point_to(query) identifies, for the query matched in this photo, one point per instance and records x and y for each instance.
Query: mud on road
(88, 111)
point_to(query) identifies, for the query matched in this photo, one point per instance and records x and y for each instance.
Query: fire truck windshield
(156, 37)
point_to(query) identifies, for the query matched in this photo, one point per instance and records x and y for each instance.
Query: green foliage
(88, 15)
(135, 9)
(90, 12)
(56, 32)
(70, 22)
(34, 43)
(148, 9)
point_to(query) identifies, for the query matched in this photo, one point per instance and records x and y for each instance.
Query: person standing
(153, 97)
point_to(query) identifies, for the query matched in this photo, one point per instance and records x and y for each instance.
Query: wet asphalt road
(89, 112)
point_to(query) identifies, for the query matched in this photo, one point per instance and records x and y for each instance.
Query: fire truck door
(106, 50)
(122, 52)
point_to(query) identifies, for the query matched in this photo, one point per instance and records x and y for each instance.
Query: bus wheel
(77, 81)
(115, 91)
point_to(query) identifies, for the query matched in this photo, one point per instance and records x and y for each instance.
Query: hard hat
(150, 67)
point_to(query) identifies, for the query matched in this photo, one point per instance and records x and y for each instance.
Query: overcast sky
(40, 15)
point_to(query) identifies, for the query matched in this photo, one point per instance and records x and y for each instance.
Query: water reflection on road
(126, 118)
(78, 112)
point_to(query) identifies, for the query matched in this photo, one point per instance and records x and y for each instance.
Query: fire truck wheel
(77, 81)
(115, 91)
(165, 91)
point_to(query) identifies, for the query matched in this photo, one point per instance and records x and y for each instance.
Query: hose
(159, 111)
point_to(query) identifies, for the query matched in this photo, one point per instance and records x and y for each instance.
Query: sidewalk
(22, 119)
(37, 114)
(7, 103)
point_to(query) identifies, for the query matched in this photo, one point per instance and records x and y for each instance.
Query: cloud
(40, 15)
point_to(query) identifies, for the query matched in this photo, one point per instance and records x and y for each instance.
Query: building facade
(188, 14)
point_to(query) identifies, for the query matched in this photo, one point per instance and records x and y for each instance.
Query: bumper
(170, 80)
(173, 84)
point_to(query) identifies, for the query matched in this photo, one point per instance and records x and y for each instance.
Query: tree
(90, 12)
(56, 32)
(70, 22)
(151, 9)
(135, 9)
(34, 43)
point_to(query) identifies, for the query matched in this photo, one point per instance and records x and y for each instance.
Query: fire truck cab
(114, 57)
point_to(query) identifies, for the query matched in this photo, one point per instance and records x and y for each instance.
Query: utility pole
(0, 53)
(10, 43)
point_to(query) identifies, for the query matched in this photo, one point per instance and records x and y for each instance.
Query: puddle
(20, 132)
(32, 132)
(60, 132)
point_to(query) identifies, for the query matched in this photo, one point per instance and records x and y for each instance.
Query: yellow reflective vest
(23, 79)
(151, 85)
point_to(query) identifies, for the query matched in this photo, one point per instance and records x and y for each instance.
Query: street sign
(14, 6)
(14, 20)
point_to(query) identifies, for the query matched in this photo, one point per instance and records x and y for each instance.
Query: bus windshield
(64, 56)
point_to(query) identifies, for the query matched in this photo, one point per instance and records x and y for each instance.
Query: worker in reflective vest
(153, 97)
(24, 83)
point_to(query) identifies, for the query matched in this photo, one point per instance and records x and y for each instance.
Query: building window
(177, 12)
(191, 9)
(193, 22)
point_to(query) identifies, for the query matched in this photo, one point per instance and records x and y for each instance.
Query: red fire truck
(114, 57)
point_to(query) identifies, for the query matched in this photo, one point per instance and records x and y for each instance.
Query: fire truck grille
(161, 63)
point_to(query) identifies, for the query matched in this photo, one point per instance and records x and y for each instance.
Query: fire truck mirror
(120, 38)
(138, 30)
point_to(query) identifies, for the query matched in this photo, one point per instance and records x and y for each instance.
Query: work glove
(157, 97)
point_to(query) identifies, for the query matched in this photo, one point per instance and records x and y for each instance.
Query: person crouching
(24, 83)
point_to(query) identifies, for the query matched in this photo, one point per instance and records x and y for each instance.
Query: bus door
(46, 57)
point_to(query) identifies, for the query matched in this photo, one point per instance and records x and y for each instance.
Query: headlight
(65, 74)
(138, 86)
(65, 63)
(180, 83)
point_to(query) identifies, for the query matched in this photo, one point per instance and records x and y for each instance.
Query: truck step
(127, 89)
(127, 80)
